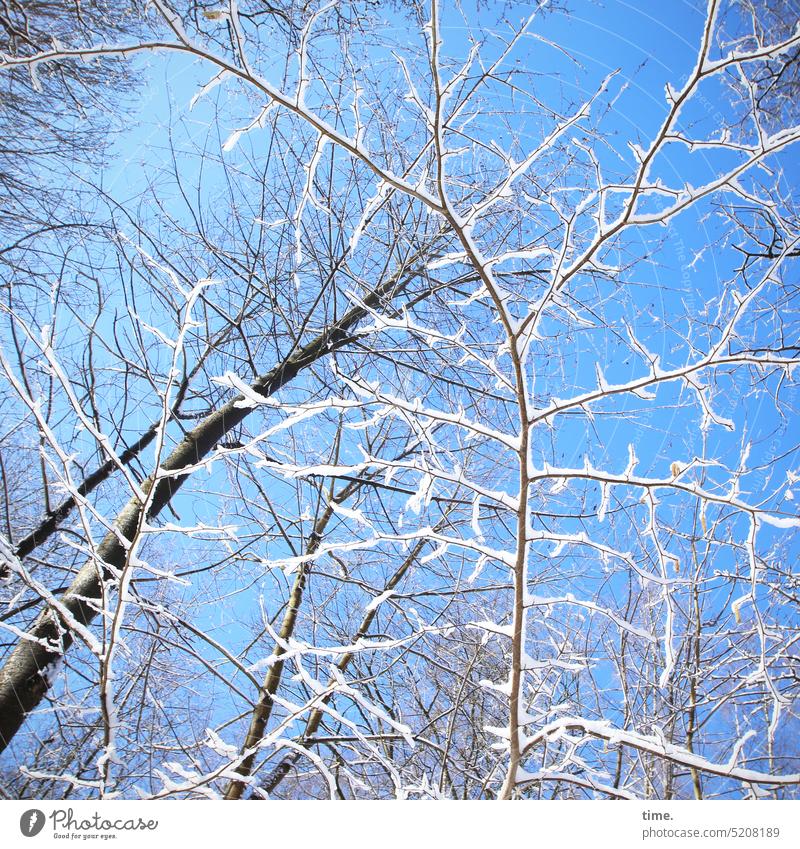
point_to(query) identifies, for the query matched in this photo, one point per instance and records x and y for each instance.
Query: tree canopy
(399, 400)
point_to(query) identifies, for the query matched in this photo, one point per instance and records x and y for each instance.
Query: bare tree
(415, 428)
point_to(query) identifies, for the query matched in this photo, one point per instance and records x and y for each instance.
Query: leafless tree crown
(396, 405)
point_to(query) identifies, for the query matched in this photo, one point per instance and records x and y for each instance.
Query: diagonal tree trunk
(22, 684)
(315, 717)
(272, 680)
(49, 524)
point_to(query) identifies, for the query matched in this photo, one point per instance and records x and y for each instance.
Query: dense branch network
(500, 485)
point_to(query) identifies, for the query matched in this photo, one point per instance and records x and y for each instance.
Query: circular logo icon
(31, 822)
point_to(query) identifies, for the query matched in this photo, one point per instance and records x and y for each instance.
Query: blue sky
(675, 281)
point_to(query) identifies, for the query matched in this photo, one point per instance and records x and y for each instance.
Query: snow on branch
(655, 745)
